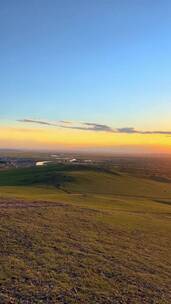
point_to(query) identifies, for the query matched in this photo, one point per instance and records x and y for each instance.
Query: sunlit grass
(94, 240)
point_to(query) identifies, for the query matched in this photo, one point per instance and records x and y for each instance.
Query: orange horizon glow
(52, 138)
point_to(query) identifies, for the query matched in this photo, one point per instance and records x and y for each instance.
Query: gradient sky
(104, 62)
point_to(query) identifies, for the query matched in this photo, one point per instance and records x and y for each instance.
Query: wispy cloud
(33, 121)
(91, 126)
(65, 121)
(98, 127)
(128, 130)
(86, 126)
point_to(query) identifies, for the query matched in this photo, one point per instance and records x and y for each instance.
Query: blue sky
(99, 61)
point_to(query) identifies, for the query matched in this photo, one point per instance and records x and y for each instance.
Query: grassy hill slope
(85, 179)
(83, 235)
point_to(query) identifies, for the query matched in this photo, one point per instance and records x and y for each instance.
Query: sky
(90, 75)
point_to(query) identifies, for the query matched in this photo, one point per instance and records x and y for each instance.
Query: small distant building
(9, 162)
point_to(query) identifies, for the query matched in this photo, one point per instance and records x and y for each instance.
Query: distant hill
(85, 179)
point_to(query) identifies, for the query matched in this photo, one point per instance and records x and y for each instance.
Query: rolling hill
(76, 234)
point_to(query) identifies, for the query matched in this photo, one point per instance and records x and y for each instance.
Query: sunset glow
(55, 138)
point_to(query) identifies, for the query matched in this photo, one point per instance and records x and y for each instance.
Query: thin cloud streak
(40, 122)
(90, 127)
(87, 126)
(65, 121)
(134, 131)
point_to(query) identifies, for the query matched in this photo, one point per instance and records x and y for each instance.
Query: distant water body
(42, 163)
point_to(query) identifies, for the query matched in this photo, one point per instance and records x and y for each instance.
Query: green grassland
(83, 234)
